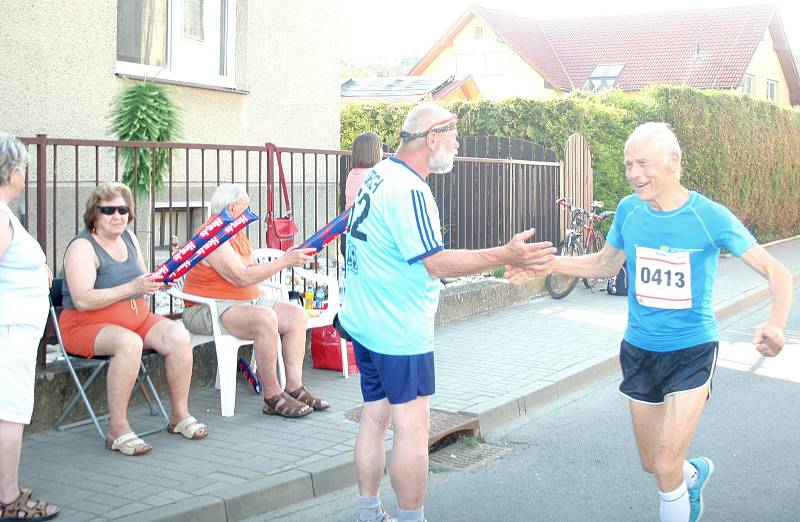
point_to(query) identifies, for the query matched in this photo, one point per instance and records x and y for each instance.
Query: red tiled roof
(709, 48)
(528, 39)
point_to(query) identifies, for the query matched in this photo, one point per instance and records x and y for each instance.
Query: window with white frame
(478, 32)
(772, 90)
(746, 84)
(181, 40)
(604, 76)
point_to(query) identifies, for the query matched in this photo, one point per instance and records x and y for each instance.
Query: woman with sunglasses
(105, 313)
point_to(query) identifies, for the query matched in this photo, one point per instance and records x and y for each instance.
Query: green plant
(144, 112)
(469, 442)
(498, 272)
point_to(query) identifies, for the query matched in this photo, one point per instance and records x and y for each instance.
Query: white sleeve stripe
(429, 227)
(421, 217)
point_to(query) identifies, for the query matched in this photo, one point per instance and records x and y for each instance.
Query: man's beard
(441, 162)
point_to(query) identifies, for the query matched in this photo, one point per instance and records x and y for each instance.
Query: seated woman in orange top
(230, 275)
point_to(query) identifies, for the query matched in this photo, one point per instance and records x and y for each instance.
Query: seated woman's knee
(265, 320)
(127, 344)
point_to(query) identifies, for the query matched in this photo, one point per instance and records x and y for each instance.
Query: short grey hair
(419, 118)
(226, 194)
(662, 134)
(13, 154)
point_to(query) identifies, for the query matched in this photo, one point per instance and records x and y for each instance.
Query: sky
(411, 27)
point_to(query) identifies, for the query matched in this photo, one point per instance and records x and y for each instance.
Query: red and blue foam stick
(250, 376)
(185, 252)
(228, 231)
(329, 232)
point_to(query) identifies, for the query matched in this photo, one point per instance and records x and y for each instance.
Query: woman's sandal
(129, 444)
(303, 395)
(189, 427)
(290, 408)
(18, 510)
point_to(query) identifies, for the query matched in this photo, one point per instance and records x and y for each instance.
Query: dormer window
(603, 77)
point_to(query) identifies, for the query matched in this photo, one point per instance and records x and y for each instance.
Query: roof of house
(401, 88)
(708, 48)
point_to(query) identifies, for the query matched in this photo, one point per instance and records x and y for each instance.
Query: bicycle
(582, 231)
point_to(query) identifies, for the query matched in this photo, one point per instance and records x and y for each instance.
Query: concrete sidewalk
(496, 366)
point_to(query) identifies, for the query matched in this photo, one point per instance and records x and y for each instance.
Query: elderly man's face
(441, 158)
(649, 168)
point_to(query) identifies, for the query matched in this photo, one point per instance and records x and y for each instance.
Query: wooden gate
(576, 177)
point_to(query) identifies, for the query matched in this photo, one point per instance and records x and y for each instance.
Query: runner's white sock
(675, 505)
(369, 509)
(411, 515)
(689, 474)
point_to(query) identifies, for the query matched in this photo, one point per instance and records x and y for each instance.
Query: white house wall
(499, 72)
(58, 74)
(766, 66)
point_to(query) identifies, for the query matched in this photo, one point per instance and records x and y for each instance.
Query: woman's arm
(227, 263)
(6, 233)
(80, 269)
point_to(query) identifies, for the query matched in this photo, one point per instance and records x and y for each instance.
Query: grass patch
(499, 272)
(469, 442)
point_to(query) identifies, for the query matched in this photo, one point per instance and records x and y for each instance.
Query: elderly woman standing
(105, 314)
(24, 279)
(230, 276)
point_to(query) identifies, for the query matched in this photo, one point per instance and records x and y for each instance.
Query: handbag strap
(273, 149)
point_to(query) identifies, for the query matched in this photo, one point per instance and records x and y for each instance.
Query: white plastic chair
(325, 317)
(227, 346)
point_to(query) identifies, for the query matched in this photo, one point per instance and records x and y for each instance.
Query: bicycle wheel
(595, 245)
(559, 285)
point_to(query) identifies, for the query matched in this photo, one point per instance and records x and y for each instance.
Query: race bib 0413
(663, 279)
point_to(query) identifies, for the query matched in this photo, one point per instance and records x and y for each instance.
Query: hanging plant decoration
(144, 112)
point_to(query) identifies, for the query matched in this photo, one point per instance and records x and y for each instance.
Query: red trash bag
(326, 350)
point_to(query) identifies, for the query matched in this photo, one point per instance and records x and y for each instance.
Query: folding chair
(98, 363)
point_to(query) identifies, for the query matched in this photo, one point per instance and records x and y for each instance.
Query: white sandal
(189, 427)
(129, 444)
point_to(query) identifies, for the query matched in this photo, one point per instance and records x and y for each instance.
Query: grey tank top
(110, 273)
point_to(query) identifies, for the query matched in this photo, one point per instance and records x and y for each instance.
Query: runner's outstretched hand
(533, 258)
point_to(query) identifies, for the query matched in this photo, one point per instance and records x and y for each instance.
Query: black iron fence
(482, 203)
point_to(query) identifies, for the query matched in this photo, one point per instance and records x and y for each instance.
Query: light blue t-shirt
(390, 299)
(672, 263)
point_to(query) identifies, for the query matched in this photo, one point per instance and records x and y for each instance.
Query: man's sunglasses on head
(109, 210)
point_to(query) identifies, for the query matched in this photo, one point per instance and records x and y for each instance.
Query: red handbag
(280, 230)
(326, 350)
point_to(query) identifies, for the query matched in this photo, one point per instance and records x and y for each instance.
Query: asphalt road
(576, 459)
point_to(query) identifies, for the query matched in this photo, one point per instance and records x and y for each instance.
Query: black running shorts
(650, 376)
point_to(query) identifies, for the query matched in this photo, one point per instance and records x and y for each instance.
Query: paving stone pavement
(493, 365)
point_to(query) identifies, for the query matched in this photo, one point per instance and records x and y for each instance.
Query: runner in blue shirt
(395, 257)
(671, 238)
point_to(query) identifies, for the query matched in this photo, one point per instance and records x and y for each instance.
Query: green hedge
(741, 152)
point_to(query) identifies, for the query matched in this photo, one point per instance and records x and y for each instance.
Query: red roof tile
(709, 48)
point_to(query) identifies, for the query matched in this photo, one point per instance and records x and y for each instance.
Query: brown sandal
(290, 408)
(18, 510)
(303, 395)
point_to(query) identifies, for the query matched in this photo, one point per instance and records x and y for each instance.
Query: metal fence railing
(482, 203)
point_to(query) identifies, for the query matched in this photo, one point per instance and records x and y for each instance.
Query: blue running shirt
(672, 264)
(390, 299)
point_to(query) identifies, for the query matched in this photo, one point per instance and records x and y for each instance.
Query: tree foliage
(739, 151)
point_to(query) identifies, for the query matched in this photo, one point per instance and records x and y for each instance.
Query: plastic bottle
(308, 298)
(319, 297)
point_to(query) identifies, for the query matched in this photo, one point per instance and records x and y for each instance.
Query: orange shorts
(79, 329)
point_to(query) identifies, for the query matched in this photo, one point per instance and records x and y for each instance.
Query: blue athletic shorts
(399, 378)
(649, 376)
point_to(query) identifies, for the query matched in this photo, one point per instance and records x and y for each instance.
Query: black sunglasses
(109, 210)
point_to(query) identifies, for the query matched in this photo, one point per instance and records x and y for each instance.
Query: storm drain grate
(459, 457)
(443, 424)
